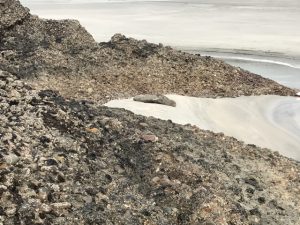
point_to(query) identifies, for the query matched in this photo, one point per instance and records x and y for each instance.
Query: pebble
(100, 197)
(11, 211)
(14, 94)
(11, 159)
(149, 138)
(144, 124)
(61, 205)
(88, 199)
(3, 188)
(45, 208)
(92, 130)
(43, 194)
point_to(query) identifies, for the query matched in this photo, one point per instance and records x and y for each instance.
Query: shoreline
(282, 68)
(286, 59)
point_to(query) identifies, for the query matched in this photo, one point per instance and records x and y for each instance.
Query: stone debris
(63, 56)
(67, 160)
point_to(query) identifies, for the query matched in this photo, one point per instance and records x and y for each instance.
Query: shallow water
(282, 69)
(267, 121)
(283, 74)
(226, 24)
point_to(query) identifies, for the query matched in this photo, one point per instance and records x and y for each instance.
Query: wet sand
(267, 121)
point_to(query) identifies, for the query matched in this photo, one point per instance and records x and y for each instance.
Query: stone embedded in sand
(157, 99)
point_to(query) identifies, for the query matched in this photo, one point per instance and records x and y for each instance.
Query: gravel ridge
(65, 159)
(74, 162)
(53, 54)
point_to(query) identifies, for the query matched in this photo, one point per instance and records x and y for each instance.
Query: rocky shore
(53, 54)
(65, 159)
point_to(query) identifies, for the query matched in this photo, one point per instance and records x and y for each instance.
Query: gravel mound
(68, 161)
(62, 55)
(73, 162)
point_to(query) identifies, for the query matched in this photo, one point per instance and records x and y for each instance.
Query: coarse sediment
(54, 54)
(65, 161)
(71, 162)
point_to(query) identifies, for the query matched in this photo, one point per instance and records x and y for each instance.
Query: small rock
(92, 130)
(11, 210)
(43, 194)
(61, 205)
(119, 169)
(144, 124)
(157, 99)
(88, 199)
(155, 180)
(149, 138)
(3, 188)
(45, 208)
(14, 94)
(11, 159)
(90, 90)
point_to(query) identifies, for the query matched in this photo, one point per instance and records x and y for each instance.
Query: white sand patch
(267, 121)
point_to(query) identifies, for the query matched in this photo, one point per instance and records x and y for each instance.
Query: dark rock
(51, 162)
(157, 99)
(255, 211)
(253, 182)
(261, 200)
